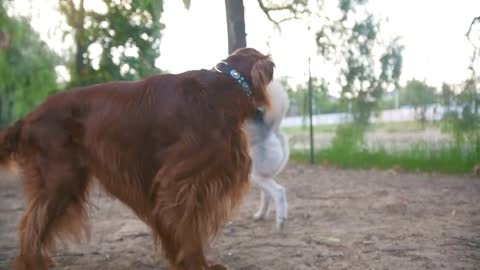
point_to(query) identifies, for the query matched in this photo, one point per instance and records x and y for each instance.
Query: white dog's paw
(259, 216)
(281, 224)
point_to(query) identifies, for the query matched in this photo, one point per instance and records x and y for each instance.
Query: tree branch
(267, 12)
(471, 26)
(289, 7)
(475, 48)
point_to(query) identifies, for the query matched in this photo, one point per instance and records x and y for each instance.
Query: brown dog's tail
(9, 141)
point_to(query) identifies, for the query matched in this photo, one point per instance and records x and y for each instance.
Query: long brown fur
(171, 147)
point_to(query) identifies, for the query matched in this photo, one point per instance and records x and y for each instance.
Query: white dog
(270, 153)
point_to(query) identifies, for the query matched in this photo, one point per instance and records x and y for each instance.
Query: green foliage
(387, 104)
(464, 121)
(351, 43)
(128, 35)
(420, 157)
(27, 68)
(347, 5)
(362, 86)
(408, 126)
(447, 96)
(348, 138)
(418, 95)
(321, 100)
(187, 3)
(305, 129)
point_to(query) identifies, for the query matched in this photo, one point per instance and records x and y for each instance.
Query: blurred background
(372, 83)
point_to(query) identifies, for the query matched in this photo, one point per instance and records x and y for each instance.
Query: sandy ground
(339, 219)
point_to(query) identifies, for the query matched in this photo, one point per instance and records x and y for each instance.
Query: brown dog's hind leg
(55, 194)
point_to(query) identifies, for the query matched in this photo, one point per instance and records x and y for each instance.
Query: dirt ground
(338, 219)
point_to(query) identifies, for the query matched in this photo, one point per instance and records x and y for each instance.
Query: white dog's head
(267, 120)
(278, 104)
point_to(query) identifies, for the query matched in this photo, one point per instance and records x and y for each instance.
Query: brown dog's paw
(50, 262)
(22, 263)
(217, 267)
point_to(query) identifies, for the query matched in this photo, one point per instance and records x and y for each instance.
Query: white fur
(279, 104)
(270, 154)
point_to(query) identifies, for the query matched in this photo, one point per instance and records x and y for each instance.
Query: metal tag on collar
(236, 76)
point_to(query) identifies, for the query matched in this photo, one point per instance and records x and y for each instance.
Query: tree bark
(237, 37)
(80, 39)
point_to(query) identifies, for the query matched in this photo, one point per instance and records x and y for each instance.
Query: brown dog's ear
(262, 75)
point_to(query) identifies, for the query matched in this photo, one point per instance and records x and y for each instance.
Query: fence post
(310, 105)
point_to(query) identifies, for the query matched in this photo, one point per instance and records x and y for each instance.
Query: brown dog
(171, 147)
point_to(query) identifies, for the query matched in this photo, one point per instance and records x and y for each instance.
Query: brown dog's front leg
(217, 267)
(186, 214)
(183, 247)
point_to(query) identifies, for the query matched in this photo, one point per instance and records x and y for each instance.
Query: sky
(432, 32)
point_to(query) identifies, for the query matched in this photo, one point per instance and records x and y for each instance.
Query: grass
(304, 129)
(410, 126)
(406, 126)
(421, 157)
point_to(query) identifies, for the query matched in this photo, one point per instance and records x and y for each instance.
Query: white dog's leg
(278, 193)
(264, 204)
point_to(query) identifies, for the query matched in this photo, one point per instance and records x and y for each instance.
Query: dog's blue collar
(225, 68)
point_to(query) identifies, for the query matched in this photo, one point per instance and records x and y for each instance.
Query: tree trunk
(2, 114)
(235, 25)
(80, 40)
(6, 107)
